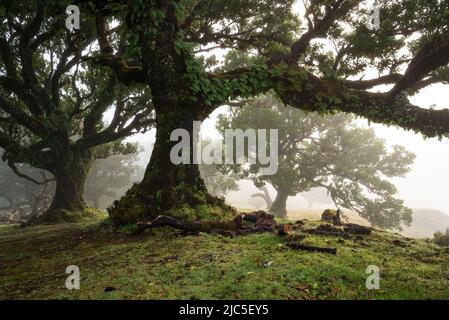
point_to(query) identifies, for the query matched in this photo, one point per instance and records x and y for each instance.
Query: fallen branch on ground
(357, 229)
(298, 246)
(329, 233)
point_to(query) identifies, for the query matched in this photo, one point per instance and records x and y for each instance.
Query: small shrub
(441, 239)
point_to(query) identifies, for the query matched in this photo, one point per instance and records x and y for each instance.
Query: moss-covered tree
(52, 103)
(317, 61)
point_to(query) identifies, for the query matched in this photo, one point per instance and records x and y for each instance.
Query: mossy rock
(329, 215)
(56, 216)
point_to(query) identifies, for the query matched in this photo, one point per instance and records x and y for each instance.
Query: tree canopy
(318, 60)
(316, 55)
(52, 101)
(286, 52)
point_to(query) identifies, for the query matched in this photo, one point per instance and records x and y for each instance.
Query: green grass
(162, 264)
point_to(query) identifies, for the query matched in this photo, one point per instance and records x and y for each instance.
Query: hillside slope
(164, 264)
(426, 222)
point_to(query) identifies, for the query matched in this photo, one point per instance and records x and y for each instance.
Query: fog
(424, 187)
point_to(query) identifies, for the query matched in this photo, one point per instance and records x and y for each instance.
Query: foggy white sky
(426, 186)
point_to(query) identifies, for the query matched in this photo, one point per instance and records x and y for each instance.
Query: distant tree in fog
(110, 177)
(265, 195)
(316, 195)
(326, 151)
(217, 183)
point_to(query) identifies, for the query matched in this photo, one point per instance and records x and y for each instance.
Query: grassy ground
(162, 264)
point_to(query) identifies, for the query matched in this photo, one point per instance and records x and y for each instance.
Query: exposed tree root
(256, 222)
(328, 230)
